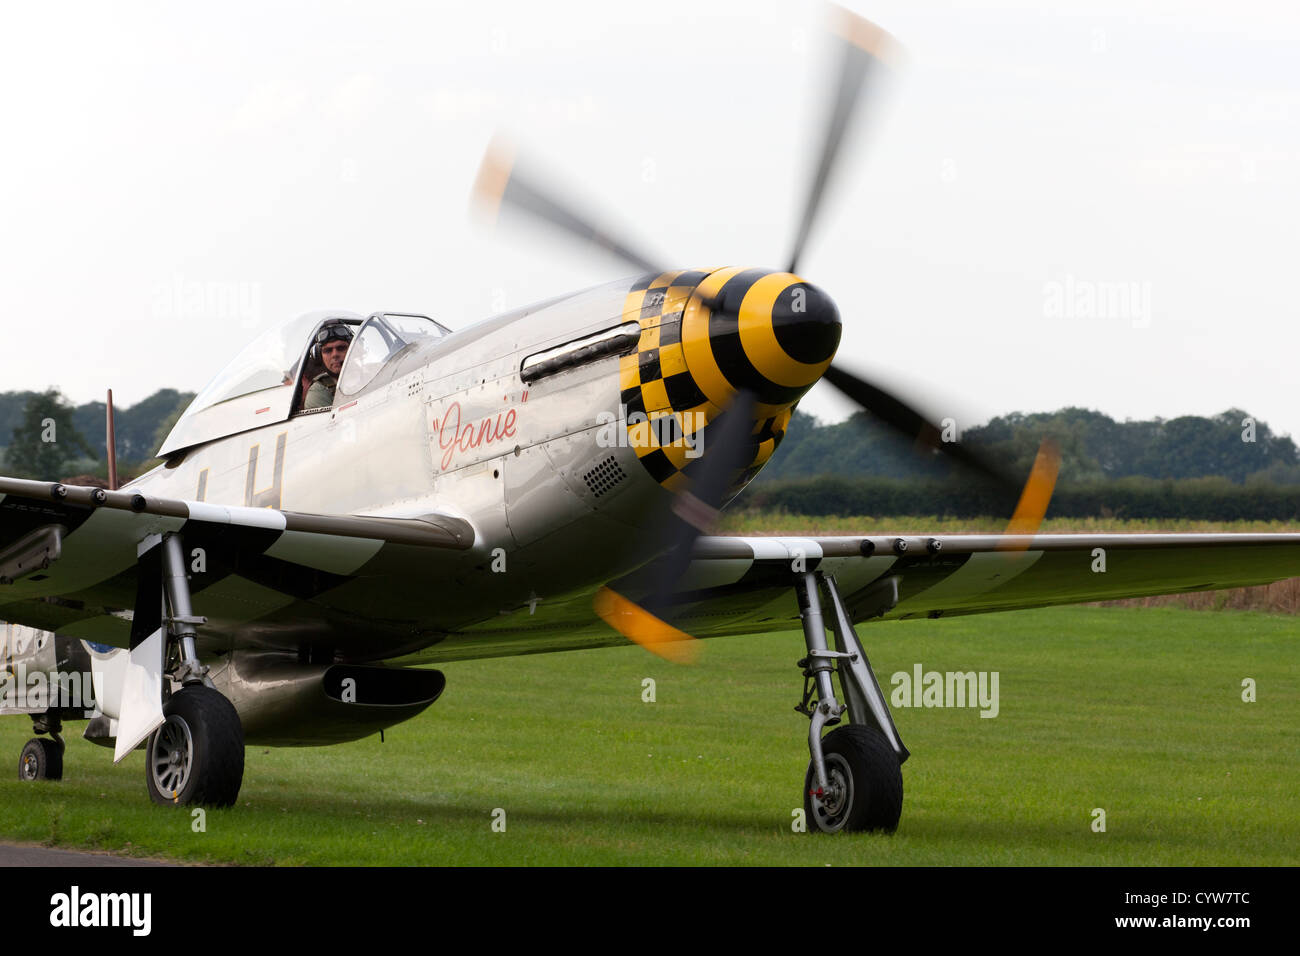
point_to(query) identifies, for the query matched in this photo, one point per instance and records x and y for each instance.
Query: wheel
(866, 783)
(42, 759)
(197, 755)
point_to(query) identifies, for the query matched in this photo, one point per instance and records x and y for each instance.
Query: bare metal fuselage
(451, 429)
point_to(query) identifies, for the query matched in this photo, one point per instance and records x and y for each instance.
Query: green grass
(1136, 711)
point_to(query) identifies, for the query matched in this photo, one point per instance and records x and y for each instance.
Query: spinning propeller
(797, 350)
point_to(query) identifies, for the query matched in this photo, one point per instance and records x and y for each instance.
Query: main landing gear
(854, 781)
(197, 755)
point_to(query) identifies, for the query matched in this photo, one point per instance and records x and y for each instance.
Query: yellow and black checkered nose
(705, 336)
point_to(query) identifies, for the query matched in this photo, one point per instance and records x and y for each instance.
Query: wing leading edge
(68, 553)
(942, 575)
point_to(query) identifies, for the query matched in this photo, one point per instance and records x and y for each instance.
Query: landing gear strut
(197, 755)
(853, 780)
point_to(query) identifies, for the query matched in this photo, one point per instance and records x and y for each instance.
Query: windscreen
(269, 360)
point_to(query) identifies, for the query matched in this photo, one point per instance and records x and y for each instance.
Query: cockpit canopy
(382, 336)
(262, 385)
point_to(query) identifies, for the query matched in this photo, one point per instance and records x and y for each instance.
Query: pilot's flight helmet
(330, 332)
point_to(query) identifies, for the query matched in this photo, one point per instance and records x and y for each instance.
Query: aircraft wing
(943, 575)
(745, 585)
(68, 553)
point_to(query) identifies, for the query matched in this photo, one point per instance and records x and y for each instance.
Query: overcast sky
(1056, 203)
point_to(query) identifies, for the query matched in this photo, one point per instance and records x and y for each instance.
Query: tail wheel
(197, 755)
(41, 759)
(865, 789)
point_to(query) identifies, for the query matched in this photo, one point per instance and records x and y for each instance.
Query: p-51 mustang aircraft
(543, 480)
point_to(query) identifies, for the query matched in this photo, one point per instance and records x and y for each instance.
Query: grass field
(1135, 711)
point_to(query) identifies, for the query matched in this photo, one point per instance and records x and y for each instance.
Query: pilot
(331, 348)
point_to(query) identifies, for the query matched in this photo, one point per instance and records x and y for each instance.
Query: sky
(1049, 203)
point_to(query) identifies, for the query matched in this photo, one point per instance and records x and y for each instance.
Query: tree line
(1095, 448)
(1192, 499)
(1226, 466)
(43, 435)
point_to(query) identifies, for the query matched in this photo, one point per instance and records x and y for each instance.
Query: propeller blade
(866, 48)
(499, 183)
(643, 628)
(725, 452)
(908, 421)
(1036, 496)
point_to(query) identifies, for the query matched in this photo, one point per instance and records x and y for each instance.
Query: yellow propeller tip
(644, 629)
(867, 36)
(493, 176)
(1037, 494)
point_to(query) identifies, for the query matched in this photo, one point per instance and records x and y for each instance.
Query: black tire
(197, 755)
(861, 761)
(41, 759)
